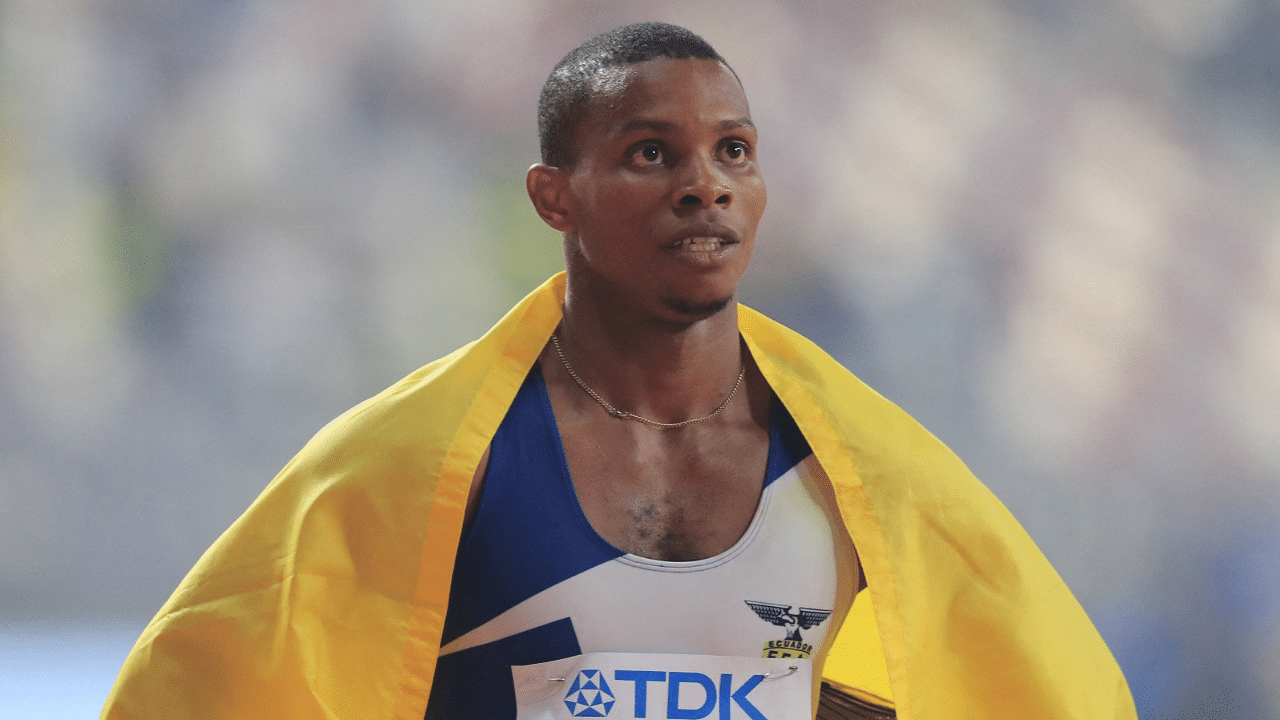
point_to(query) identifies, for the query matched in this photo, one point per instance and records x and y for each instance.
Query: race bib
(623, 686)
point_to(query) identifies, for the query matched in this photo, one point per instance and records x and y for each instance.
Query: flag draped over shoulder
(327, 598)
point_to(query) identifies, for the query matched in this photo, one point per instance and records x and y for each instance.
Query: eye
(647, 154)
(737, 152)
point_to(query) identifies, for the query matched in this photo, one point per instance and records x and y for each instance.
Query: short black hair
(567, 92)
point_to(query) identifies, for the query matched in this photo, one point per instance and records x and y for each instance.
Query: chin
(697, 310)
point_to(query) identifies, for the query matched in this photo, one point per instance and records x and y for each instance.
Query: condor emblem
(792, 645)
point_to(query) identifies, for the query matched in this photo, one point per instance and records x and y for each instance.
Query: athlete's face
(665, 194)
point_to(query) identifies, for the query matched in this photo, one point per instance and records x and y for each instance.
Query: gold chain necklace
(632, 416)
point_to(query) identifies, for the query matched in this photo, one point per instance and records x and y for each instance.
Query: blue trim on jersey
(787, 446)
(528, 521)
(477, 681)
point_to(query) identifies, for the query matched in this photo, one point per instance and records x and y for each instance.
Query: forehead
(685, 92)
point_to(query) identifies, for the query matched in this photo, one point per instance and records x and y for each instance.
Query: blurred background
(1050, 231)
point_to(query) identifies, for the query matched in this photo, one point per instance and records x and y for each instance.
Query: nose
(703, 185)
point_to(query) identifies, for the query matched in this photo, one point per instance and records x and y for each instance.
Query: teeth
(701, 244)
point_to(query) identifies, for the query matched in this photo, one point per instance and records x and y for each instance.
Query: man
(632, 497)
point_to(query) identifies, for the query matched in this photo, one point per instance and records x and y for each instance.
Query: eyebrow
(663, 126)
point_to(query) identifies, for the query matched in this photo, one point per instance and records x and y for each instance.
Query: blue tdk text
(691, 695)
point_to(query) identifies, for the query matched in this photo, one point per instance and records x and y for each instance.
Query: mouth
(703, 239)
(701, 244)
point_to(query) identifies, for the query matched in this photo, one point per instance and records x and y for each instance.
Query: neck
(653, 367)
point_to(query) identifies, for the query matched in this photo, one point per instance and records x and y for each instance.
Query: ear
(549, 190)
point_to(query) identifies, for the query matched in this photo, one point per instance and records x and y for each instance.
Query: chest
(536, 581)
(668, 496)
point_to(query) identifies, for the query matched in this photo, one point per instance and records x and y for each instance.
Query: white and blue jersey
(534, 582)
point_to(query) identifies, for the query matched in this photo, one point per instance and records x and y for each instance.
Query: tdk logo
(589, 695)
(688, 695)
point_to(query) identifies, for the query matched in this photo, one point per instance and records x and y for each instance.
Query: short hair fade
(567, 91)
